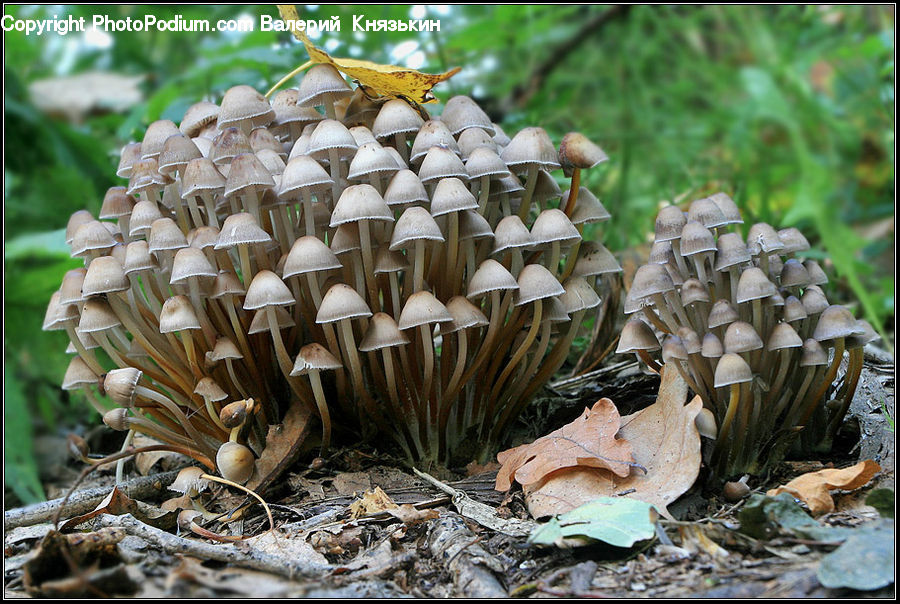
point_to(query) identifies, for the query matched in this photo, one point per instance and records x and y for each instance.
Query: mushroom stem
(663, 308)
(573, 192)
(368, 262)
(720, 447)
(648, 360)
(529, 191)
(120, 465)
(518, 355)
(419, 266)
(428, 366)
(851, 380)
(829, 376)
(179, 415)
(484, 193)
(321, 403)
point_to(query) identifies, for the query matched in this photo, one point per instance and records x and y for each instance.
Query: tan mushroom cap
(741, 337)
(227, 284)
(553, 225)
(711, 346)
(579, 295)
(260, 322)
(763, 239)
(191, 262)
(228, 144)
(70, 289)
(754, 285)
(783, 336)
(129, 154)
(198, 116)
(244, 105)
(177, 151)
(143, 215)
(587, 207)
(209, 389)
(441, 162)
(138, 258)
(451, 195)
(530, 147)
(692, 291)
(96, 315)
(706, 212)
(722, 313)
(360, 202)
(165, 235)
(536, 283)
(177, 315)
(322, 84)
(267, 289)
(155, 138)
(650, 279)
(120, 385)
(484, 161)
(472, 139)
(696, 239)
(511, 233)
(793, 240)
(240, 229)
(116, 203)
(461, 112)
(387, 261)
(637, 335)
(405, 187)
(78, 374)
(309, 254)
(91, 236)
(415, 224)
(669, 223)
(342, 302)
(794, 274)
(836, 322)
(732, 369)
(371, 158)
(145, 176)
(731, 251)
(314, 357)
(465, 315)
(814, 300)
(728, 208)
(345, 238)
(595, 259)
(814, 354)
(578, 151)
(383, 332)
(396, 117)
(331, 135)
(247, 171)
(303, 172)
(422, 308)
(104, 276)
(433, 133)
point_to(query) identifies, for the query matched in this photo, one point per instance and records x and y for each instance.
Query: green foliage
(789, 108)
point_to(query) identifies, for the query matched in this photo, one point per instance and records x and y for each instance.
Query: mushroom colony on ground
(750, 330)
(397, 275)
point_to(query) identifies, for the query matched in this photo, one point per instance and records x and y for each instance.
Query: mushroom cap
(177, 152)
(706, 423)
(441, 162)
(669, 222)
(116, 203)
(138, 258)
(816, 275)
(553, 225)
(813, 354)
(693, 291)
(490, 276)
(177, 314)
(511, 233)
(78, 374)
(783, 336)
(96, 315)
(814, 301)
(637, 335)
(650, 279)
(360, 202)
(728, 208)
(235, 462)
(233, 415)
(461, 112)
(288, 112)
(465, 315)
(201, 176)
(387, 261)
(836, 322)
(260, 322)
(579, 295)
(144, 214)
(396, 117)
(331, 135)
(473, 225)
(732, 369)
(267, 289)
(227, 284)
(120, 385)
(741, 337)
(405, 188)
(451, 195)
(262, 139)
(342, 302)
(104, 276)
(309, 254)
(763, 239)
(415, 224)
(690, 340)
(731, 251)
(577, 151)
(794, 274)
(711, 346)
(191, 262)
(673, 349)
(129, 154)
(500, 136)
(70, 290)
(422, 308)
(793, 310)
(433, 133)
(472, 139)
(145, 175)
(303, 172)
(322, 84)
(536, 283)
(155, 138)
(696, 239)
(868, 335)
(197, 117)
(371, 158)
(228, 144)
(247, 171)
(244, 104)
(587, 207)
(240, 229)
(754, 285)
(224, 349)
(314, 357)
(209, 389)
(91, 236)
(165, 235)
(706, 212)
(346, 238)
(793, 240)
(203, 237)
(382, 333)
(594, 259)
(530, 147)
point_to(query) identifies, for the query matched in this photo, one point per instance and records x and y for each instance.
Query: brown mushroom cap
(637, 335)
(577, 151)
(530, 147)
(422, 308)
(741, 337)
(314, 357)
(177, 315)
(383, 332)
(783, 336)
(836, 322)
(754, 285)
(267, 289)
(536, 283)
(490, 276)
(669, 222)
(732, 369)
(462, 112)
(342, 302)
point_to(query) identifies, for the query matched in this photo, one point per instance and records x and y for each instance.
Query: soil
(317, 550)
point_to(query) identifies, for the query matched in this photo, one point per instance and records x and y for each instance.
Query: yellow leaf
(375, 79)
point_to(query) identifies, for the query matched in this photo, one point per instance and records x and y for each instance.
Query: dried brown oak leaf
(666, 444)
(813, 487)
(589, 441)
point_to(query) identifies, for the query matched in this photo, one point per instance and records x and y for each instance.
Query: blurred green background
(789, 109)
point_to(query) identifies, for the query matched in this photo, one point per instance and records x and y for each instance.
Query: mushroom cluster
(749, 328)
(412, 277)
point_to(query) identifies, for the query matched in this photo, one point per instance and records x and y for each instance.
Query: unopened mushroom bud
(117, 419)
(736, 490)
(78, 447)
(235, 462)
(706, 423)
(234, 414)
(120, 385)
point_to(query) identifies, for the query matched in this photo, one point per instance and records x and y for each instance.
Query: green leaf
(764, 517)
(19, 463)
(883, 501)
(619, 521)
(865, 561)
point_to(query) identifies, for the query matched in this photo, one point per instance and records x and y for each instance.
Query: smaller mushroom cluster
(415, 278)
(748, 326)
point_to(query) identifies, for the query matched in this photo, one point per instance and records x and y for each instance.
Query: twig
(243, 556)
(586, 377)
(84, 501)
(483, 514)
(454, 546)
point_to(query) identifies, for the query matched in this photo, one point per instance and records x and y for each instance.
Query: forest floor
(437, 548)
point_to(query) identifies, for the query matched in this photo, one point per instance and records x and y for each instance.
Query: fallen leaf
(619, 521)
(376, 80)
(589, 441)
(118, 503)
(694, 539)
(371, 502)
(282, 447)
(665, 443)
(765, 517)
(883, 501)
(813, 487)
(409, 515)
(145, 461)
(49, 570)
(865, 561)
